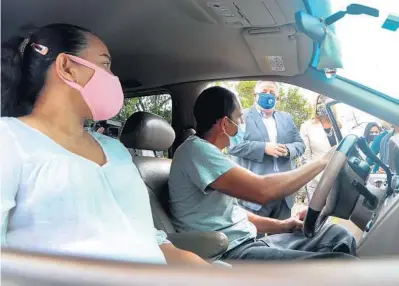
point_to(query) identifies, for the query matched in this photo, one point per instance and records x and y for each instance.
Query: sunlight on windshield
(370, 53)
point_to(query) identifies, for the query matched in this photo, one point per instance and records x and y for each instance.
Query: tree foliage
(294, 103)
(157, 104)
(245, 91)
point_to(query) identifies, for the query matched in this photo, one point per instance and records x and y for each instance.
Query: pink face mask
(103, 93)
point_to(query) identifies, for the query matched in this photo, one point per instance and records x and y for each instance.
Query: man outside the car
(269, 145)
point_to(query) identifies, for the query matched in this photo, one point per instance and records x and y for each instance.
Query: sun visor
(279, 50)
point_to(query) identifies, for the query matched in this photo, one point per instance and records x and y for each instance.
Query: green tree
(157, 104)
(294, 103)
(245, 91)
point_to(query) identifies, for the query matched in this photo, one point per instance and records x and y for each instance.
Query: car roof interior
(164, 43)
(161, 42)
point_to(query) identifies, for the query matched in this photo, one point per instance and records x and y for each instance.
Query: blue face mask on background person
(266, 100)
(239, 136)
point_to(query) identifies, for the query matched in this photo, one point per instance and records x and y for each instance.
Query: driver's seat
(147, 131)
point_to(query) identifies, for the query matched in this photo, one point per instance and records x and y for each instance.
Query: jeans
(332, 241)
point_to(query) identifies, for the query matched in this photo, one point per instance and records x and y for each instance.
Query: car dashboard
(379, 218)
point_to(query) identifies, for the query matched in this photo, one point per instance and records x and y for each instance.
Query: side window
(292, 99)
(159, 104)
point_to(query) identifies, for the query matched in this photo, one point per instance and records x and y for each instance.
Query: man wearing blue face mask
(268, 145)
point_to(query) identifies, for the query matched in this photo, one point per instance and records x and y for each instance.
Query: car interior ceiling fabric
(192, 24)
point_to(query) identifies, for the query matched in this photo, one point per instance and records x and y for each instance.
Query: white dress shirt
(271, 128)
(270, 124)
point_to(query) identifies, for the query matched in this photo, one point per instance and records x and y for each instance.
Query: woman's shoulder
(7, 128)
(10, 139)
(5, 122)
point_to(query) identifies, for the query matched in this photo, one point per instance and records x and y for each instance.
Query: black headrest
(147, 131)
(187, 133)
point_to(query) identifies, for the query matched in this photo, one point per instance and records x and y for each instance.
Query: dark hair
(213, 104)
(23, 70)
(368, 129)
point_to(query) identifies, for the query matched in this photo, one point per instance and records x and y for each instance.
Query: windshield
(370, 53)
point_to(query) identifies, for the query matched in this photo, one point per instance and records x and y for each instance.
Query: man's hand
(326, 158)
(301, 214)
(291, 224)
(275, 150)
(380, 171)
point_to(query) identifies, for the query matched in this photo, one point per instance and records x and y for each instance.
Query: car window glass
(159, 104)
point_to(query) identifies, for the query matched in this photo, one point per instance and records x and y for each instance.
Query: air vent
(227, 13)
(258, 31)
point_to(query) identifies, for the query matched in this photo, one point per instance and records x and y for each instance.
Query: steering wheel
(322, 202)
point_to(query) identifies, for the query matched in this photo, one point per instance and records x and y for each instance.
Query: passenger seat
(147, 131)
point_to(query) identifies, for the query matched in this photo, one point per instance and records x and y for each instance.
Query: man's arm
(243, 184)
(273, 226)
(297, 146)
(250, 150)
(176, 256)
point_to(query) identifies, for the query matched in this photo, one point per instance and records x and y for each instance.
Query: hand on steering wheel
(317, 213)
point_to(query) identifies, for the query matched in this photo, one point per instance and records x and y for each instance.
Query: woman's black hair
(24, 70)
(213, 104)
(368, 129)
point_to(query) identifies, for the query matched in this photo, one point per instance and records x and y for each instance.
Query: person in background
(65, 190)
(375, 146)
(319, 137)
(371, 131)
(374, 135)
(384, 146)
(269, 144)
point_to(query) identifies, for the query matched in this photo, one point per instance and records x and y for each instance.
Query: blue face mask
(239, 136)
(267, 100)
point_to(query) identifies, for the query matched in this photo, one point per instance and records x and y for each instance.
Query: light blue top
(194, 205)
(53, 200)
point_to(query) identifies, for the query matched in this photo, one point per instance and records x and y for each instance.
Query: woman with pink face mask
(65, 190)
